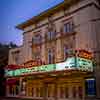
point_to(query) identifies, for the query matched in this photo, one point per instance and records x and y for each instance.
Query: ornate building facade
(56, 60)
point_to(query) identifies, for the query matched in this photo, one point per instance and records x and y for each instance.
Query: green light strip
(82, 64)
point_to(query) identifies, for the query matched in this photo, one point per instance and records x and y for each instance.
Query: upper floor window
(65, 51)
(51, 35)
(37, 39)
(68, 26)
(74, 92)
(51, 31)
(80, 92)
(36, 53)
(16, 57)
(50, 56)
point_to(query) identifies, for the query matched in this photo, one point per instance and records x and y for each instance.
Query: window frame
(68, 25)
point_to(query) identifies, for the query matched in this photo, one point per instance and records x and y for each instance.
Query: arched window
(50, 56)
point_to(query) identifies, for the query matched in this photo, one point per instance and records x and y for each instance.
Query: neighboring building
(56, 59)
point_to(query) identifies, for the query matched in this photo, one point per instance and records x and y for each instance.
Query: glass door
(77, 91)
(50, 91)
(63, 91)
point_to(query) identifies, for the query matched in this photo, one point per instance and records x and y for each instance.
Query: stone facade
(84, 16)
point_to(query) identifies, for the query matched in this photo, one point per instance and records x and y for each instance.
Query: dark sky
(14, 12)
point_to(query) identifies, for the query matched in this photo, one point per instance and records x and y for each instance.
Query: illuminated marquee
(70, 63)
(75, 63)
(23, 71)
(84, 54)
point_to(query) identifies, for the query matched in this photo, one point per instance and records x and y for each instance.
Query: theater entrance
(70, 90)
(50, 91)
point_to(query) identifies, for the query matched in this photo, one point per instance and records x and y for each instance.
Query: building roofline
(46, 13)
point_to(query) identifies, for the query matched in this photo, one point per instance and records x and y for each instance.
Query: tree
(4, 51)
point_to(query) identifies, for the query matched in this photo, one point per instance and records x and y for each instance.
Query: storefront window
(61, 92)
(23, 87)
(17, 90)
(90, 85)
(66, 92)
(50, 90)
(33, 92)
(41, 91)
(37, 92)
(74, 92)
(80, 92)
(10, 90)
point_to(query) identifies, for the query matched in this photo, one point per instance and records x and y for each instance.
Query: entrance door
(50, 91)
(69, 91)
(63, 91)
(77, 91)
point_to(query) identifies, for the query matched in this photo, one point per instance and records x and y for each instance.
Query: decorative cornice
(66, 14)
(63, 5)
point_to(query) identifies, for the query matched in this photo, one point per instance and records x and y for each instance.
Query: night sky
(14, 12)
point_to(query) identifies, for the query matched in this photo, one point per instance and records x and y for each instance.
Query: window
(37, 39)
(10, 90)
(39, 92)
(90, 85)
(50, 56)
(66, 92)
(37, 53)
(63, 91)
(80, 92)
(65, 51)
(68, 27)
(50, 90)
(33, 92)
(16, 57)
(74, 92)
(51, 35)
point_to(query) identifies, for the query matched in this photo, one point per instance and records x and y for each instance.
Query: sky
(14, 12)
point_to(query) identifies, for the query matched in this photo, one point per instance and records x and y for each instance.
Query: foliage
(4, 51)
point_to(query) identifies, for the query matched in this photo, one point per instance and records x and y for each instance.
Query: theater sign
(70, 63)
(76, 63)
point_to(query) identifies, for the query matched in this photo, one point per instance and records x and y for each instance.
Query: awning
(12, 81)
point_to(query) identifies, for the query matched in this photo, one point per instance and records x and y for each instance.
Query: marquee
(70, 63)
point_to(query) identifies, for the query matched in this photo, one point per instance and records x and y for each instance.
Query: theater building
(57, 59)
